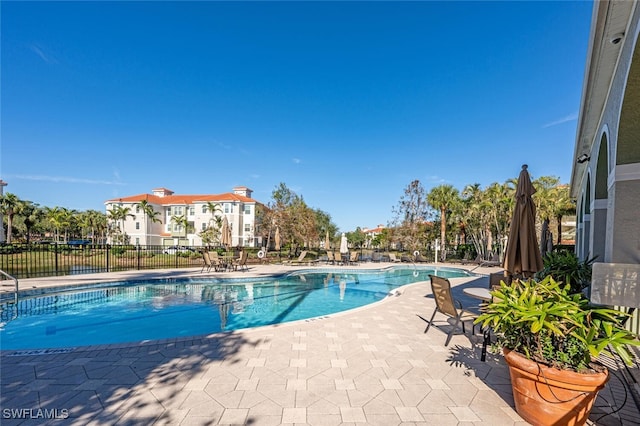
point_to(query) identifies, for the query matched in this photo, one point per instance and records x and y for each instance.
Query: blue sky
(344, 102)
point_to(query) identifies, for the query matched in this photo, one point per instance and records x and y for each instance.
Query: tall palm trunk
(443, 233)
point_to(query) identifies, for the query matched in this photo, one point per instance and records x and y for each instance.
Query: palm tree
(92, 223)
(149, 213)
(564, 207)
(55, 217)
(442, 198)
(183, 222)
(119, 213)
(8, 204)
(32, 214)
(212, 208)
(68, 221)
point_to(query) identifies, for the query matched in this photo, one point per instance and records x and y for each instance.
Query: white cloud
(570, 117)
(296, 160)
(65, 179)
(48, 58)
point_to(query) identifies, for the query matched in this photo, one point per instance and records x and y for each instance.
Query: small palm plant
(548, 323)
(566, 267)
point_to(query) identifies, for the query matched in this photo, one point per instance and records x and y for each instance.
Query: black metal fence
(44, 260)
(47, 260)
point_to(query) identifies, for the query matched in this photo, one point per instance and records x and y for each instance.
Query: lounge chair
(495, 261)
(478, 260)
(299, 260)
(206, 262)
(353, 258)
(330, 258)
(241, 262)
(338, 258)
(446, 304)
(393, 258)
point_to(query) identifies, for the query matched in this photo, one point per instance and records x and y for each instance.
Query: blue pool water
(150, 310)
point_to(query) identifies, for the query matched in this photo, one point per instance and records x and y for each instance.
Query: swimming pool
(136, 311)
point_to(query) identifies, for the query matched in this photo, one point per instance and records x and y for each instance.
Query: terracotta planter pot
(548, 396)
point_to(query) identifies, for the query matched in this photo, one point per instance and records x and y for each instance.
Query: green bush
(118, 250)
(565, 266)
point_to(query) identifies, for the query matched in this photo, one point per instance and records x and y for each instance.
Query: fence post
(138, 255)
(107, 248)
(55, 251)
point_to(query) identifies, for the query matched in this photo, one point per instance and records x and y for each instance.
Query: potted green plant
(550, 338)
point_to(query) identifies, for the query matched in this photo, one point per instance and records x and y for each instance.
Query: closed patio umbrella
(344, 248)
(277, 239)
(522, 257)
(327, 242)
(546, 244)
(225, 238)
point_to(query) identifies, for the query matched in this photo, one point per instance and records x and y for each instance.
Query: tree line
(477, 217)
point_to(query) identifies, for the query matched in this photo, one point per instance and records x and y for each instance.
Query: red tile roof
(182, 199)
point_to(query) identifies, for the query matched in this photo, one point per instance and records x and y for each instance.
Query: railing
(45, 260)
(15, 280)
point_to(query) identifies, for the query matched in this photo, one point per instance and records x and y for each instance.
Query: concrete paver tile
(409, 414)
(173, 418)
(339, 398)
(441, 419)
(412, 395)
(90, 385)
(339, 363)
(247, 384)
(391, 384)
(284, 398)
(437, 384)
(324, 419)
(464, 414)
(234, 416)
(196, 384)
(264, 420)
(463, 394)
(436, 401)
(358, 398)
(256, 362)
(304, 398)
(294, 415)
(260, 405)
(296, 384)
(298, 363)
(384, 419)
(381, 363)
(323, 406)
(230, 399)
(377, 406)
(170, 398)
(353, 414)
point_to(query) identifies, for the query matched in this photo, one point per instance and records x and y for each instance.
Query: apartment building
(238, 207)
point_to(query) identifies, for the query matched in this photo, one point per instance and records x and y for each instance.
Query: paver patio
(373, 365)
